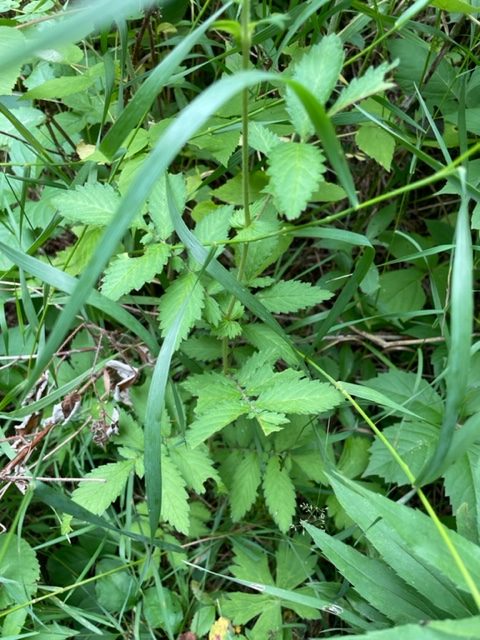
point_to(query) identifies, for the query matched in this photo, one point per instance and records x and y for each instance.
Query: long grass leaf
(461, 326)
(72, 26)
(153, 415)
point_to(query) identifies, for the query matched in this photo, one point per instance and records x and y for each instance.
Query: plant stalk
(246, 44)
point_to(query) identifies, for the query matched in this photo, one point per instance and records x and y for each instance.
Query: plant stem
(246, 43)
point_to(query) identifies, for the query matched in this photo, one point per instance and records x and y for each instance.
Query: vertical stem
(246, 43)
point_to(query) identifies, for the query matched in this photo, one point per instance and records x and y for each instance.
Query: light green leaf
(187, 289)
(289, 392)
(220, 144)
(125, 274)
(262, 253)
(279, 494)
(214, 227)
(245, 482)
(175, 507)
(158, 204)
(60, 87)
(318, 70)
(295, 172)
(103, 485)
(195, 466)
(261, 138)
(209, 423)
(270, 421)
(287, 296)
(19, 570)
(92, 203)
(376, 143)
(212, 388)
(404, 388)
(455, 6)
(10, 38)
(359, 88)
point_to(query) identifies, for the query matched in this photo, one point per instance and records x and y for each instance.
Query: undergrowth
(238, 361)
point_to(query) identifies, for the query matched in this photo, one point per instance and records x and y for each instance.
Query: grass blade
(461, 325)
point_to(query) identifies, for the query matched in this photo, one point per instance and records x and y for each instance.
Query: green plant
(237, 278)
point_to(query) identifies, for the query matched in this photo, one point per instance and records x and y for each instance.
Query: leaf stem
(246, 43)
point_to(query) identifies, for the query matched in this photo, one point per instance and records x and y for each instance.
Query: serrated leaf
(124, 274)
(295, 172)
(195, 466)
(220, 145)
(158, 203)
(279, 494)
(175, 507)
(19, 570)
(262, 253)
(103, 486)
(360, 88)
(270, 421)
(287, 296)
(92, 203)
(376, 143)
(318, 70)
(216, 419)
(185, 289)
(212, 388)
(10, 38)
(244, 490)
(288, 393)
(261, 138)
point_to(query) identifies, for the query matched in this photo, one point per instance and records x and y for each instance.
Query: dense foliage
(238, 368)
